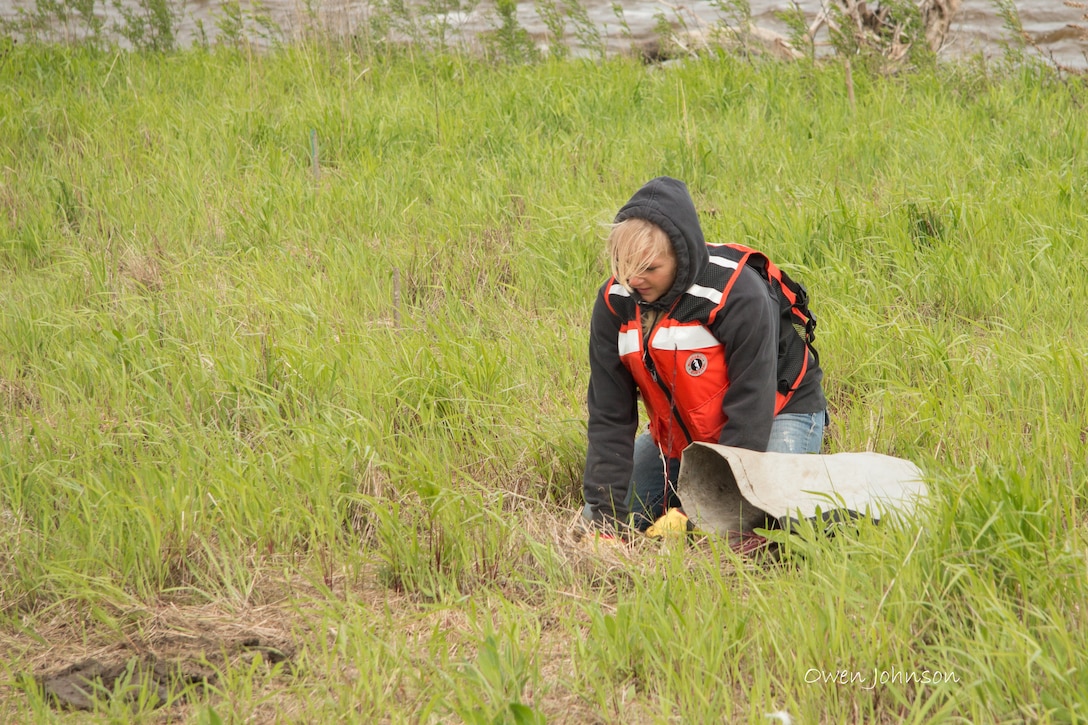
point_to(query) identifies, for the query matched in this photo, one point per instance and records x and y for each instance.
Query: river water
(1058, 28)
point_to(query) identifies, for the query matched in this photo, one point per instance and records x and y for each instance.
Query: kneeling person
(703, 334)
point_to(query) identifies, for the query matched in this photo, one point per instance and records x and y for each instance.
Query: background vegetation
(292, 342)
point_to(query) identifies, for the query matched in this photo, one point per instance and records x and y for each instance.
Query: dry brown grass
(285, 617)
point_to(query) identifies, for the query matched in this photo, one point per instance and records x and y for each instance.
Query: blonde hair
(633, 245)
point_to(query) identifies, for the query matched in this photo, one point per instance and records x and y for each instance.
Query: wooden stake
(849, 84)
(396, 297)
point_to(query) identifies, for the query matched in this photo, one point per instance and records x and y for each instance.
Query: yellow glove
(673, 524)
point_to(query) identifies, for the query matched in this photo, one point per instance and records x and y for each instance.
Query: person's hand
(598, 532)
(672, 525)
(605, 541)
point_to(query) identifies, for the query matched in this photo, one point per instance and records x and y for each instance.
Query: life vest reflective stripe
(618, 289)
(629, 342)
(723, 262)
(709, 293)
(686, 337)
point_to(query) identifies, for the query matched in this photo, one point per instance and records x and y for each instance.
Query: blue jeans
(797, 433)
(650, 494)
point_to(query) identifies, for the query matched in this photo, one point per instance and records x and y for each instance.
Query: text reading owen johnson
(869, 680)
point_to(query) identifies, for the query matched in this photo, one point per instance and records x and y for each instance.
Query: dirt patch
(17, 396)
(82, 685)
(151, 679)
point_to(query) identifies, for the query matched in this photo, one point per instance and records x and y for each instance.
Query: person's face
(656, 280)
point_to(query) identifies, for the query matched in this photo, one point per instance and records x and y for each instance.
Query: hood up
(666, 202)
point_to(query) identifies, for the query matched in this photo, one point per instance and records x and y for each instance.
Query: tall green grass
(356, 396)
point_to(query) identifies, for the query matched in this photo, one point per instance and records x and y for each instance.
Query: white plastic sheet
(726, 490)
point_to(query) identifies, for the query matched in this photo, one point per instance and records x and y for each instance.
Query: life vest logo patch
(696, 364)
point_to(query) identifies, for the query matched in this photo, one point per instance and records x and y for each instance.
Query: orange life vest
(679, 365)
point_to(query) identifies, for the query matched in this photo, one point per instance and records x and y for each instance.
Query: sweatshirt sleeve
(748, 329)
(612, 423)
